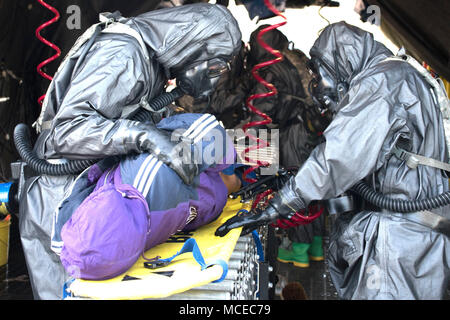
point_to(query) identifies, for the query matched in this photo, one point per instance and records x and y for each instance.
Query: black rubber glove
(171, 151)
(250, 221)
(283, 206)
(183, 165)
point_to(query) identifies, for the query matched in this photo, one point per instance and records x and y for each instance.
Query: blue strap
(66, 286)
(191, 246)
(259, 247)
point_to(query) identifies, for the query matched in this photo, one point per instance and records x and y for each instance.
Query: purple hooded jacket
(116, 211)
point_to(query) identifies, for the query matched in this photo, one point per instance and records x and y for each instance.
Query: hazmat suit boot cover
(378, 255)
(86, 114)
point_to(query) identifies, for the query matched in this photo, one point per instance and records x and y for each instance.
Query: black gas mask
(200, 80)
(327, 87)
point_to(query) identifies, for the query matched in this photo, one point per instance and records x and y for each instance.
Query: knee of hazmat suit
(141, 202)
(378, 102)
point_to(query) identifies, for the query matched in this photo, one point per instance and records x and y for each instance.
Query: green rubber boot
(285, 255)
(300, 254)
(316, 249)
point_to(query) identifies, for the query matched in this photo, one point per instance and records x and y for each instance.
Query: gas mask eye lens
(200, 80)
(217, 67)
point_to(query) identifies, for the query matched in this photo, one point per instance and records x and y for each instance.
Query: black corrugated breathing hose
(398, 205)
(41, 166)
(23, 146)
(158, 103)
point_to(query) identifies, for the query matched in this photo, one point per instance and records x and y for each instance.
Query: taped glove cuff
(287, 202)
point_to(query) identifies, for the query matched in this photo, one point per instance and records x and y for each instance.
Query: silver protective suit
(378, 254)
(86, 113)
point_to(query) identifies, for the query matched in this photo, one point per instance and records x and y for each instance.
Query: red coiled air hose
(48, 43)
(272, 91)
(299, 218)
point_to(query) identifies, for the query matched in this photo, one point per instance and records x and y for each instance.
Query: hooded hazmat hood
(274, 38)
(356, 49)
(183, 35)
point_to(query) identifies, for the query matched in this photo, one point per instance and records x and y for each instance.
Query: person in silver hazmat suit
(381, 104)
(88, 108)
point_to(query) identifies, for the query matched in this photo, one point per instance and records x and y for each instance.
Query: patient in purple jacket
(141, 202)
